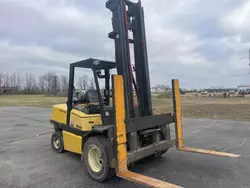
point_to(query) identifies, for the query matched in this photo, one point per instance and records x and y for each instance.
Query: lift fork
(178, 127)
(121, 138)
(122, 168)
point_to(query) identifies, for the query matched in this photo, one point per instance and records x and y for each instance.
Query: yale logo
(76, 126)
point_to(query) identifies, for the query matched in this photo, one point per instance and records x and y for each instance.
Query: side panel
(84, 123)
(72, 142)
(58, 113)
(78, 119)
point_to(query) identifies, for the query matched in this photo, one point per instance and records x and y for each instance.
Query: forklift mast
(128, 17)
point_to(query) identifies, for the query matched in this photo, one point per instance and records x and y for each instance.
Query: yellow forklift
(117, 128)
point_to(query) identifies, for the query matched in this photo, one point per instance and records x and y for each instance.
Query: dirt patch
(219, 111)
(232, 109)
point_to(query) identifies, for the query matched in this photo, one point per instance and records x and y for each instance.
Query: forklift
(114, 129)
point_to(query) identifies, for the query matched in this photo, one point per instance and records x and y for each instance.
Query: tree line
(49, 83)
(161, 88)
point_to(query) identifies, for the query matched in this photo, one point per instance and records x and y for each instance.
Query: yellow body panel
(72, 142)
(78, 119)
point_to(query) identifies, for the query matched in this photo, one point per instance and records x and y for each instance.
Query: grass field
(30, 100)
(206, 107)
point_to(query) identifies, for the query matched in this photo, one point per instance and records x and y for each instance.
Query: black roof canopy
(94, 63)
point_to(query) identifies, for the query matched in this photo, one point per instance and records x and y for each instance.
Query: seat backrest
(90, 96)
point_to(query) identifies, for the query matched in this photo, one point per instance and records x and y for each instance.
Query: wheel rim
(56, 142)
(95, 159)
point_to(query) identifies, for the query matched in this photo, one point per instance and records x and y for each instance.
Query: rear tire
(57, 142)
(96, 158)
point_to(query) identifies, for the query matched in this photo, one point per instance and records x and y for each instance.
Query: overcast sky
(202, 43)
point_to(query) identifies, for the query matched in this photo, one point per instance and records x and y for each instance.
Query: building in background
(243, 89)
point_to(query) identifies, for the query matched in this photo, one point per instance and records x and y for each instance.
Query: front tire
(96, 158)
(57, 142)
(164, 134)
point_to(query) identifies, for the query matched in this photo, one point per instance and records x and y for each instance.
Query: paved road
(27, 160)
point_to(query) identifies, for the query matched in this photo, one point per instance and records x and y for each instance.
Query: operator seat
(90, 99)
(88, 102)
(90, 96)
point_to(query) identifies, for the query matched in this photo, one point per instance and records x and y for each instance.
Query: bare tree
(157, 88)
(15, 80)
(48, 77)
(41, 83)
(55, 85)
(64, 83)
(30, 82)
(83, 82)
(19, 81)
(165, 88)
(161, 87)
(91, 83)
(1, 79)
(6, 80)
